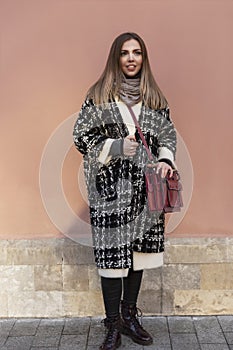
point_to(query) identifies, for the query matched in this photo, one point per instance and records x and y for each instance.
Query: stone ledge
(203, 302)
(198, 250)
(65, 251)
(57, 278)
(221, 276)
(44, 252)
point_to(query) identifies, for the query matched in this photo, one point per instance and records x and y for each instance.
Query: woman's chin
(132, 74)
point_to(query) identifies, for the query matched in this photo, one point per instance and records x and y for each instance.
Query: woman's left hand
(163, 168)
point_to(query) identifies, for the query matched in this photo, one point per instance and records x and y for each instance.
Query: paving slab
(71, 342)
(181, 324)
(229, 337)
(226, 323)
(87, 333)
(214, 347)
(78, 325)
(157, 347)
(184, 341)
(24, 327)
(19, 343)
(41, 340)
(155, 325)
(6, 325)
(209, 330)
(42, 348)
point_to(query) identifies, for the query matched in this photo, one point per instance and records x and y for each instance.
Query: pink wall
(51, 51)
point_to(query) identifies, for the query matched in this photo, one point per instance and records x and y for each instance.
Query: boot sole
(117, 345)
(135, 340)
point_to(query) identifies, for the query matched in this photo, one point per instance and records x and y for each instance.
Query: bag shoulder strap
(140, 133)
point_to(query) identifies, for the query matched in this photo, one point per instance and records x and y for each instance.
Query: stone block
(77, 254)
(217, 276)
(230, 252)
(35, 252)
(94, 278)
(203, 302)
(149, 302)
(151, 279)
(167, 302)
(48, 277)
(170, 240)
(3, 253)
(180, 277)
(195, 254)
(83, 303)
(3, 305)
(35, 304)
(20, 278)
(75, 278)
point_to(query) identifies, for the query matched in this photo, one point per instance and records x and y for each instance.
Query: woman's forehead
(131, 44)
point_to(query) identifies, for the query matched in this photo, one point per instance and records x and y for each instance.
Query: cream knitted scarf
(129, 91)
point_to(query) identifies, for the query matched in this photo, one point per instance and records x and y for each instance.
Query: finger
(171, 172)
(131, 137)
(132, 154)
(158, 168)
(164, 172)
(134, 144)
(133, 148)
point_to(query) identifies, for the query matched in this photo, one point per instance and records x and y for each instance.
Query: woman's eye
(135, 53)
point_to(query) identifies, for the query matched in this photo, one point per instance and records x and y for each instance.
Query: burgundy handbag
(163, 194)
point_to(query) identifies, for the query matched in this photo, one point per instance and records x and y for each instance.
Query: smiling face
(131, 58)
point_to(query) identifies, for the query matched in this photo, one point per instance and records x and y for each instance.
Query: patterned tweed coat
(119, 214)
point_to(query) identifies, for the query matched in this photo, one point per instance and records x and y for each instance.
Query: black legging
(112, 291)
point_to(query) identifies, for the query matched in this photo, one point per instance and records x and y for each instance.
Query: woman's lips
(131, 67)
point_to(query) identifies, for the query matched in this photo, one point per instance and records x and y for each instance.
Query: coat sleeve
(167, 137)
(89, 133)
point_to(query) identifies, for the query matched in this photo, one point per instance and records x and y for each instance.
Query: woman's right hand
(130, 146)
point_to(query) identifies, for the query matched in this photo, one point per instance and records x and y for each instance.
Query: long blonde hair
(107, 86)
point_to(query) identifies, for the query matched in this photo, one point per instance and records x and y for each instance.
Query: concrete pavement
(87, 333)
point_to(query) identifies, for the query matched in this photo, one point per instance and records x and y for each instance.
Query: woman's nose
(131, 56)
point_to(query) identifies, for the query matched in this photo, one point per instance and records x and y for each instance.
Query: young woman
(127, 238)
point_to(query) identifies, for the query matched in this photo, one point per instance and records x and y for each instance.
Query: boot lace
(136, 314)
(110, 330)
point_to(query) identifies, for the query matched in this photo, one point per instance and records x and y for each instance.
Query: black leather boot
(131, 327)
(112, 340)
